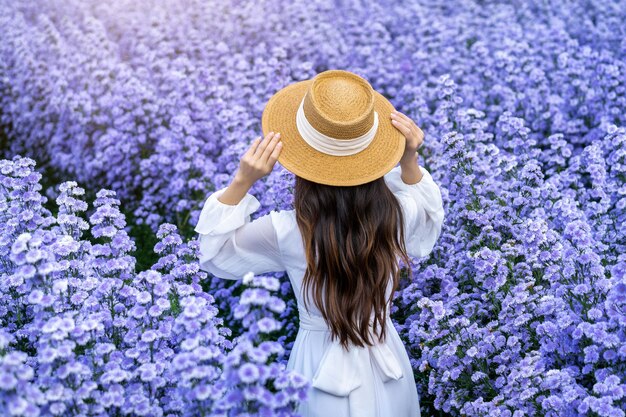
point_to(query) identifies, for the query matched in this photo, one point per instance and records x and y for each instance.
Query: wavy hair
(353, 236)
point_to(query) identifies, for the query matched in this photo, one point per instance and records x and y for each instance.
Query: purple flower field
(121, 117)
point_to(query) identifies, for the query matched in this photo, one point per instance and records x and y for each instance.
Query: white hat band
(329, 145)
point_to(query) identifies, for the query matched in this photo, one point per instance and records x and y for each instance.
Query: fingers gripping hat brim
(298, 157)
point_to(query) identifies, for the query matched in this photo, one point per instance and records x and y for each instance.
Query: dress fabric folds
(375, 381)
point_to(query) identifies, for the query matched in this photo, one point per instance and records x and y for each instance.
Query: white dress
(363, 382)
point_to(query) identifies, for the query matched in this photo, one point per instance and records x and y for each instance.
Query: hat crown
(340, 104)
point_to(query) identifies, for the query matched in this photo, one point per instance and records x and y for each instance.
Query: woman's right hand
(260, 158)
(413, 134)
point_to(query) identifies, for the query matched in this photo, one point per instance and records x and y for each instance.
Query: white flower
(247, 279)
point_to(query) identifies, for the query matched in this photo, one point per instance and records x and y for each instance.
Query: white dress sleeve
(422, 207)
(230, 244)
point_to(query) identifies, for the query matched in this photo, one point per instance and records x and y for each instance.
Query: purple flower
(248, 373)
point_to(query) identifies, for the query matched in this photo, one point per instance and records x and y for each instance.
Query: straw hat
(335, 129)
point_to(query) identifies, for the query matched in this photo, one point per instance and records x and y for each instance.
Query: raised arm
(230, 244)
(422, 208)
(419, 196)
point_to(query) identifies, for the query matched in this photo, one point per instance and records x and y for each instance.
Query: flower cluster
(254, 373)
(83, 333)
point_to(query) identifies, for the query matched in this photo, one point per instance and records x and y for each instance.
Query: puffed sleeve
(422, 206)
(230, 244)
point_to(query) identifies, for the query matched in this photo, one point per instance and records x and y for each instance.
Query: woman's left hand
(260, 158)
(411, 131)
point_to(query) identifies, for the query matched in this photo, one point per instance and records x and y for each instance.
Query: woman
(355, 217)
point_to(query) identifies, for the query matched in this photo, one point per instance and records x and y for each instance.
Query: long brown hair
(352, 237)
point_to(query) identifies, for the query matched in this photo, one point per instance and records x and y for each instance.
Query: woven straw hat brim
(298, 157)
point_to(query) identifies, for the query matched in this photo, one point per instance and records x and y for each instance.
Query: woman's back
(290, 243)
(361, 381)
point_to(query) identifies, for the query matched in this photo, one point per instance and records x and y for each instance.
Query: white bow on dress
(347, 373)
